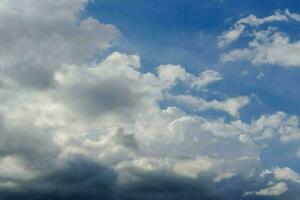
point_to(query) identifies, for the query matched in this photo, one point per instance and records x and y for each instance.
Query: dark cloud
(83, 179)
(164, 185)
(25, 140)
(78, 179)
(115, 95)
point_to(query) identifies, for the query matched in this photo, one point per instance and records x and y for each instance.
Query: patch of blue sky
(186, 32)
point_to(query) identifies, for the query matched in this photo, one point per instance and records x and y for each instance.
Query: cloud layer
(74, 128)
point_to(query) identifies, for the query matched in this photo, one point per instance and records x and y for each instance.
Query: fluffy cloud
(37, 38)
(169, 74)
(76, 129)
(266, 46)
(227, 37)
(135, 140)
(278, 180)
(279, 125)
(82, 117)
(283, 174)
(112, 87)
(275, 190)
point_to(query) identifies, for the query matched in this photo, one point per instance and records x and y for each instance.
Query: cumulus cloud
(37, 38)
(234, 33)
(72, 128)
(135, 140)
(278, 125)
(79, 117)
(113, 86)
(267, 46)
(283, 174)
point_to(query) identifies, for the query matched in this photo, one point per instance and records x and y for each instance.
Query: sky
(140, 100)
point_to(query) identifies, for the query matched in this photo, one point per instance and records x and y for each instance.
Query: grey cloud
(37, 38)
(85, 179)
(128, 140)
(104, 97)
(77, 179)
(165, 185)
(113, 87)
(29, 142)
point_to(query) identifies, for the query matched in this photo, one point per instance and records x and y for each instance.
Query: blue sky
(150, 99)
(186, 33)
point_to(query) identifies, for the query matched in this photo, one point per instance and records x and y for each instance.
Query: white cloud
(109, 112)
(236, 31)
(266, 46)
(230, 105)
(169, 74)
(278, 125)
(14, 168)
(81, 117)
(255, 21)
(283, 174)
(293, 16)
(38, 38)
(275, 190)
(204, 78)
(112, 87)
(286, 174)
(193, 168)
(231, 35)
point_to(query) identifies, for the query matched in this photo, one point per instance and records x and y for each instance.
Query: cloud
(112, 87)
(255, 21)
(70, 121)
(267, 46)
(38, 38)
(236, 31)
(14, 168)
(162, 184)
(76, 179)
(230, 36)
(204, 78)
(275, 190)
(279, 125)
(283, 174)
(230, 105)
(170, 74)
(75, 128)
